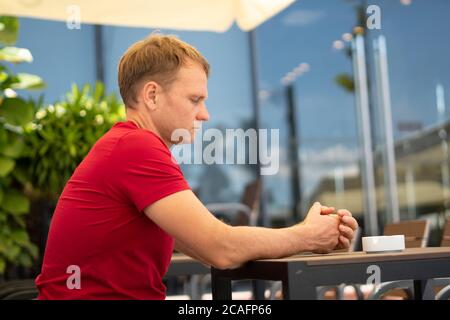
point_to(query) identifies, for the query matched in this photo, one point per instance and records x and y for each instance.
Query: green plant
(62, 134)
(15, 112)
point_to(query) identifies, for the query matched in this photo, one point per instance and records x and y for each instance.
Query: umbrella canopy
(204, 15)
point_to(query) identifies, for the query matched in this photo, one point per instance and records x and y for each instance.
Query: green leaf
(72, 150)
(3, 219)
(6, 165)
(16, 111)
(2, 265)
(21, 175)
(28, 81)
(15, 55)
(9, 27)
(98, 91)
(20, 237)
(8, 80)
(3, 135)
(24, 260)
(16, 203)
(346, 82)
(20, 221)
(32, 249)
(3, 76)
(1, 198)
(14, 148)
(12, 252)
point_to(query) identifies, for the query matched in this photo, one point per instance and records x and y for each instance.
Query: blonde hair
(157, 58)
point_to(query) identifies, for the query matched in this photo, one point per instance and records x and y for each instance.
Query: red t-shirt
(99, 225)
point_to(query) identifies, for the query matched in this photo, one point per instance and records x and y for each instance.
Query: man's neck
(143, 122)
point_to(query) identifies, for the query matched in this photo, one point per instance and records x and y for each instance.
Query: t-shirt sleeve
(147, 172)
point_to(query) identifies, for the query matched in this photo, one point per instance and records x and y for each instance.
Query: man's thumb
(317, 207)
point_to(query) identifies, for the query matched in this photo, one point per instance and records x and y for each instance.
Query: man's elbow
(226, 256)
(224, 263)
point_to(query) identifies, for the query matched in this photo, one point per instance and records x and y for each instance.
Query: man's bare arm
(206, 238)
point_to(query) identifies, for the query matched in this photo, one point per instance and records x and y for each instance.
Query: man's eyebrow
(199, 96)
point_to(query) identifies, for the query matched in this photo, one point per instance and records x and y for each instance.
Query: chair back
(14, 287)
(250, 198)
(416, 232)
(446, 235)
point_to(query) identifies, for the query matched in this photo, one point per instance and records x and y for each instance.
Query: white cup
(383, 244)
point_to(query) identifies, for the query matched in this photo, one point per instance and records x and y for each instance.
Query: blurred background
(360, 104)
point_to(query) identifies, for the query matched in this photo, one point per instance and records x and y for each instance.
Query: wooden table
(301, 274)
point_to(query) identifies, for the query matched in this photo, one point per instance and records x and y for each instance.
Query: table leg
(296, 288)
(221, 287)
(419, 289)
(259, 288)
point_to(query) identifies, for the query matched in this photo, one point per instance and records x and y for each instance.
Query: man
(127, 205)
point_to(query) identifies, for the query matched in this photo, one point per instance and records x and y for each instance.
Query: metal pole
(263, 218)
(259, 286)
(440, 102)
(384, 100)
(362, 102)
(293, 152)
(99, 63)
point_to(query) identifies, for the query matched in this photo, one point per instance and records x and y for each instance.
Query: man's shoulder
(141, 141)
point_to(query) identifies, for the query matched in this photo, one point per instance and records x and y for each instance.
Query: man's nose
(203, 114)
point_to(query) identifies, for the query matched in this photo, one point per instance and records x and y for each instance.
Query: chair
(408, 285)
(245, 212)
(416, 232)
(30, 294)
(444, 294)
(445, 242)
(15, 287)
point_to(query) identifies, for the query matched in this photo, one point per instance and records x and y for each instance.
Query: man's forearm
(250, 243)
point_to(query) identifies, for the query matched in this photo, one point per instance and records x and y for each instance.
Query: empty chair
(25, 294)
(413, 240)
(444, 294)
(244, 212)
(416, 232)
(14, 287)
(445, 242)
(443, 284)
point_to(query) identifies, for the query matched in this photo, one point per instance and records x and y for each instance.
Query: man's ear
(149, 94)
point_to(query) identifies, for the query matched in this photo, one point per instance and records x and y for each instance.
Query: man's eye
(195, 101)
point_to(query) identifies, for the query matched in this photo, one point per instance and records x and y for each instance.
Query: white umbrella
(205, 15)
